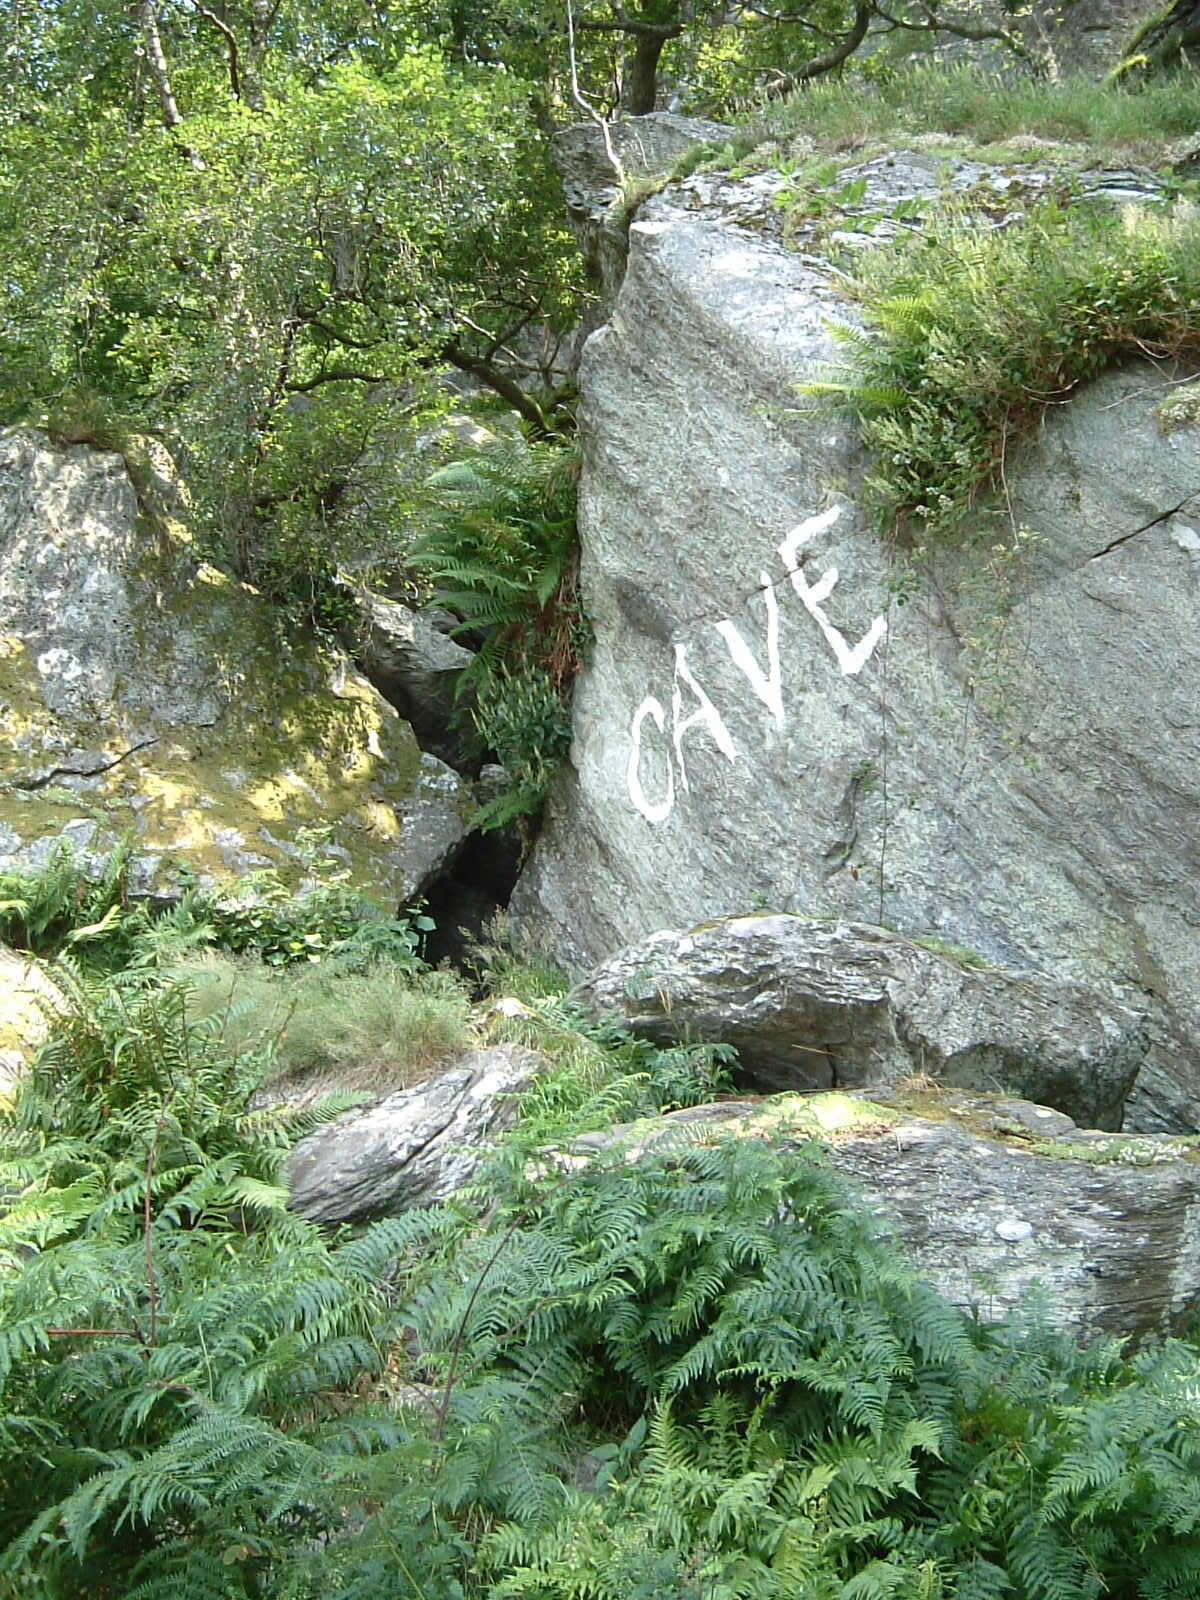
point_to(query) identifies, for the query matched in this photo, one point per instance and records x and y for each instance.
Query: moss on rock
(172, 710)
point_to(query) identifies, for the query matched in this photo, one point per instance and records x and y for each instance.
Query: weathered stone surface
(413, 1148)
(810, 1005)
(24, 991)
(415, 667)
(141, 692)
(1009, 763)
(595, 200)
(991, 1196)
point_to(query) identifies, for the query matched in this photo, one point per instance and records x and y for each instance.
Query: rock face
(592, 189)
(1014, 772)
(415, 667)
(142, 692)
(990, 1196)
(811, 1005)
(413, 1148)
(24, 990)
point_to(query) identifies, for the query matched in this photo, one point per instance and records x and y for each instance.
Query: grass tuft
(973, 330)
(377, 1031)
(1114, 123)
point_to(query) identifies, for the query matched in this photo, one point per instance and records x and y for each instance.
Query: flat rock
(993, 1197)
(143, 692)
(1011, 766)
(810, 1005)
(412, 1148)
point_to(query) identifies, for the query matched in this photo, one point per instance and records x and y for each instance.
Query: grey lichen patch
(1179, 409)
(1129, 1150)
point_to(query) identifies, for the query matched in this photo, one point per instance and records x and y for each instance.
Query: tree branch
(647, 30)
(230, 38)
(337, 375)
(960, 30)
(863, 11)
(500, 383)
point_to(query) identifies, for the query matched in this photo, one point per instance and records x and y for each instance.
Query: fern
(502, 553)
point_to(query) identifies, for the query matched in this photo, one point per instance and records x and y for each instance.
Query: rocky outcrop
(810, 1005)
(416, 668)
(413, 1148)
(1012, 766)
(143, 692)
(597, 199)
(26, 992)
(991, 1197)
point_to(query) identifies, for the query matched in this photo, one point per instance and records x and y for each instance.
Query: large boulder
(991, 1196)
(414, 1147)
(416, 668)
(596, 192)
(761, 722)
(143, 692)
(811, 1005)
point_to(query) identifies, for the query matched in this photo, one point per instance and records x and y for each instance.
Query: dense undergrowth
(500, 549)
(973, 330)
(705, 1374)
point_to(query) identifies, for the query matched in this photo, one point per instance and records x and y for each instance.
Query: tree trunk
(1171, 41)
(639, 81)
(262, 14)
(148, 19)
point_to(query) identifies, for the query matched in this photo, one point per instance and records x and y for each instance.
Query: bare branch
(613, 159)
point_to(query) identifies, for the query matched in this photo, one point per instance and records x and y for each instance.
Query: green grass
(1115, 124)
(377, 1031)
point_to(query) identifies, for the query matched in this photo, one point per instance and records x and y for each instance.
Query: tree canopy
(255, 228)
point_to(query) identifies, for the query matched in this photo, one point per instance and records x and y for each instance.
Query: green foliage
(264, 289)
(973, 330)
(66, 906)
(502, 552)
(82, 905)
(157, 1306)
(328, 922)
(703, 1372)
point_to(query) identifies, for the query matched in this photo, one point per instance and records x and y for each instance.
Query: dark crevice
(29, 785)
(1154, 522)
(466, 898)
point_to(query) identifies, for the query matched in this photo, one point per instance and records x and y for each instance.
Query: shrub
(973, 330)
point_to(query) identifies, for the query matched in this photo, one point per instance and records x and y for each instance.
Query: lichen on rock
(144, 693)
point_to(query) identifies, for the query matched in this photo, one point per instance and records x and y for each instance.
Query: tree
(717, 49)
(262, 229)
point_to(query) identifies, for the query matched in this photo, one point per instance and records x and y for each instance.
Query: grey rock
(142, 691)
(413, 1148)
(416, 669)
(992, 1197)
(596, 203)
(811, 1005)
(1010, 765)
